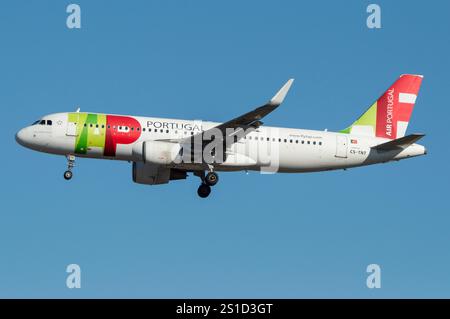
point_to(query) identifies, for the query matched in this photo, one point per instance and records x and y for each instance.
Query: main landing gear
(209, 180)
(203, 190)
(70, 164)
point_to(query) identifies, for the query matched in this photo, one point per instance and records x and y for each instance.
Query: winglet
(281, 94)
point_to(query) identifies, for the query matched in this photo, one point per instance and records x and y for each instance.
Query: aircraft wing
(402, 142)
(245, 121)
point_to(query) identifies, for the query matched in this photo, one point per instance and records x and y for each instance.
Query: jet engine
(151, 174)
(156, 152)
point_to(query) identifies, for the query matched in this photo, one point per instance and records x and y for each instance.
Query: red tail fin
(395, 106)
(389, 116)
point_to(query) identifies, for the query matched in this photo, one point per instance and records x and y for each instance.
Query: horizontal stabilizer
(399, 143)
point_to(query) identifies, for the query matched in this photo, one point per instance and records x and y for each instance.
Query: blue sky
(305, 235)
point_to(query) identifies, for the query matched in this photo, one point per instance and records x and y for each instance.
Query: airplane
(162, 149)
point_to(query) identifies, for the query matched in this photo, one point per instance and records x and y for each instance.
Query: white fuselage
(267, 148)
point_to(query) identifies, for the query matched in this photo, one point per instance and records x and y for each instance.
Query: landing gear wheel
(211, 178)
(67, 175)
(204, 190)
(70, 164)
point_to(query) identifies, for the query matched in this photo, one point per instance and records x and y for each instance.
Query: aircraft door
(72, 126)
(341, 146)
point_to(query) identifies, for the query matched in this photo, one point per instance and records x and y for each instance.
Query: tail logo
(389, 116)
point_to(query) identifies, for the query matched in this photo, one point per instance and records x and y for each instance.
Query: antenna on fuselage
(78, 110)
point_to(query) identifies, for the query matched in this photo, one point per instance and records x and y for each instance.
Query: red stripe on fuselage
(115, 135)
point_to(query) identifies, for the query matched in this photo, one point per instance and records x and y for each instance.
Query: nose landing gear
(68, 175)
(70, 164)
(209, 180)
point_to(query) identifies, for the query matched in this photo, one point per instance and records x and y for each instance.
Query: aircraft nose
(21, 137)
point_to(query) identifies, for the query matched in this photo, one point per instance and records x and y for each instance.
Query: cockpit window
(43, 122)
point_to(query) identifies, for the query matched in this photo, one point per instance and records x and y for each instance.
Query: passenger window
(167, 131)
(320, 143)
(303, 142)
(309, 142)
(279, 140)
(296, 141)
(290, 141)
(314, 142)
(143, 129)
(285, 140)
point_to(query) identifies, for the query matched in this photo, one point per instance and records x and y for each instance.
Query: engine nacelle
(156, 152)
(152, 174)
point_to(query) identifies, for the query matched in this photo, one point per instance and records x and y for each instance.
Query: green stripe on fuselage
(91, 129)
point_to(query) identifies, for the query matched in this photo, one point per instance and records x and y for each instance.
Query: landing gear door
(72, 125)
(341, 146)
